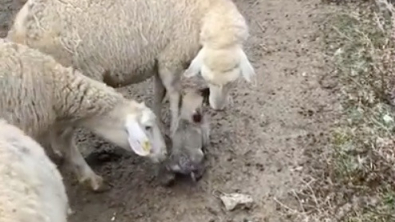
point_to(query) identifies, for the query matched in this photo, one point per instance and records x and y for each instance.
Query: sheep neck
(79, 97)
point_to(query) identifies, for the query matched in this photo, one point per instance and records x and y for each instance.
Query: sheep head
(221, 68)
(132, 125)
(144, 136)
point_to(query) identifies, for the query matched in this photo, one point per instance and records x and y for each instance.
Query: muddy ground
(257, 146)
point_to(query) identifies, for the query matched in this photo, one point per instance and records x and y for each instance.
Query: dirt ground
(257, 145)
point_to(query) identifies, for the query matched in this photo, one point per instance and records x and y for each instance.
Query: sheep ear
(247, 71)
(195, 66)
(137, 138)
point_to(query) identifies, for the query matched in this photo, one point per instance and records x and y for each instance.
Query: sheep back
(31, 187)
(120, 42)
(26, 93)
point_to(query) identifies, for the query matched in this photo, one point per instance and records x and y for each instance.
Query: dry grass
(353, 179)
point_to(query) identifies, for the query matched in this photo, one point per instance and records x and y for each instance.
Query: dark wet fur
(186, 154)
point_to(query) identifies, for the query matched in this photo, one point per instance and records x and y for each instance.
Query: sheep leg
(53, 144)
(48, 142)
(159, 94)
(81, 169)
(170, 76)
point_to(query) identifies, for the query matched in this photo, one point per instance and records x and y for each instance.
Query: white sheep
(44, 99)
(123, 42)
(31, 187)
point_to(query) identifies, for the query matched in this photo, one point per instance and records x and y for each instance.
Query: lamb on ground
(31, 187)
(124, 42)
(190, 137)
(42, 97)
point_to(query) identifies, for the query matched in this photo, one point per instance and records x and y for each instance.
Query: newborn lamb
(190, 137)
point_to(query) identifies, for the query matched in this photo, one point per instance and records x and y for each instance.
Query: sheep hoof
(103, 188)
(95, 183)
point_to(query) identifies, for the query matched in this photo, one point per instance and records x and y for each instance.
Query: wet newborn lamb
(189, 138)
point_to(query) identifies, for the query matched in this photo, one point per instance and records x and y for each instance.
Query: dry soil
(257, 145)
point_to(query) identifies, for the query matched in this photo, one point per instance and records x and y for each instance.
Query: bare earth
(257, 146)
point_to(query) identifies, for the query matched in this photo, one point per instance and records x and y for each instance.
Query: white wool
(44, 99)
(124, 42)
(31, 187)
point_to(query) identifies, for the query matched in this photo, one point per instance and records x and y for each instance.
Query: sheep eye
(148, 128)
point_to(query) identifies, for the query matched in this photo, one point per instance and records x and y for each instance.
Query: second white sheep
(47, 100)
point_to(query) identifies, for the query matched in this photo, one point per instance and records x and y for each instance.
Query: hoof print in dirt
(236, 200)
(99, 157)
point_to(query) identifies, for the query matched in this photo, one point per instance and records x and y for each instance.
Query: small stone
(388, 119)
(233, 200)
